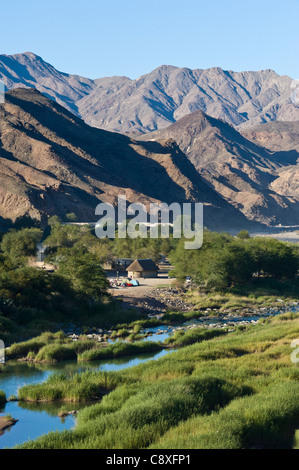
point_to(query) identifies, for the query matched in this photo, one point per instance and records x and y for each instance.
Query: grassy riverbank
(84, 387)
(185, 338)
(119, 350)
(261, 292)
(260, 296)
(56, 347)
(50, 348)
(235, 391)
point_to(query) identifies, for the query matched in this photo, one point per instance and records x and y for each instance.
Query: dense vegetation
(236, 391)
(185, 338)
(224, 261)
(74, 236)
(34, 300)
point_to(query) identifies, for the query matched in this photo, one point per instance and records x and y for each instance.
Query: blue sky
(97, 38)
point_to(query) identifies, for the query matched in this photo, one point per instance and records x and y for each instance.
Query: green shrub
(55, 352)
(119, 349)
(81, 387)
(20, 350)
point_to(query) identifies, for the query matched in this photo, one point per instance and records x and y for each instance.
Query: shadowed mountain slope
(250, 177)
(51, 162)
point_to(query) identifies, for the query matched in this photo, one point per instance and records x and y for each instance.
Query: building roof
(140, 265)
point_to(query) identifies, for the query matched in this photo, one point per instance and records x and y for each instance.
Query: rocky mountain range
(256, 171)
(207, 142)
(51, 162)
(281, 138)
(159, 98)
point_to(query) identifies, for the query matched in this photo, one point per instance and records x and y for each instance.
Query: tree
(34, 288)
(224, 261)
(238, 263)
(71, 217)
(243, 235)
(54, 220)
(21, 243)
(85, 274)
(63, 235)
(274, 258)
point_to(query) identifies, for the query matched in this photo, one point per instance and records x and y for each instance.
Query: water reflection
(36, 419)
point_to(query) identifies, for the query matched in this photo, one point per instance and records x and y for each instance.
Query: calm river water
(37, 419)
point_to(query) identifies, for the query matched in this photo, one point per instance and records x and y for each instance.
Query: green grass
(234, 391)
(86, 386)
(119, 349)
(52, 348)
(21, 350)
(258, 293)
(135, 416)
(52, 353)
(56, 347)
(184, 338)
(227, 301)
(267, 420)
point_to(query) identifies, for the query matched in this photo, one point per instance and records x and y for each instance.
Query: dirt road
(142, 297)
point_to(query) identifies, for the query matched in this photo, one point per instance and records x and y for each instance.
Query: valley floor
(142, 297)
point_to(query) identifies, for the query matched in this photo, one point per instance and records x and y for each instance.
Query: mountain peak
(28, 55)
(158, 98)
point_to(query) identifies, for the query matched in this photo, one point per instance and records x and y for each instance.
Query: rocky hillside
(159, 98)
(275, 136)
(261, 183)
(281, 138)
(51, 162)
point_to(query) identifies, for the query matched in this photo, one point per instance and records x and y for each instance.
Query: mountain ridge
(51, 162)
(246, 174)
(159, 98)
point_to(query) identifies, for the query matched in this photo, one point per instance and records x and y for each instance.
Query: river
(36, 419)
